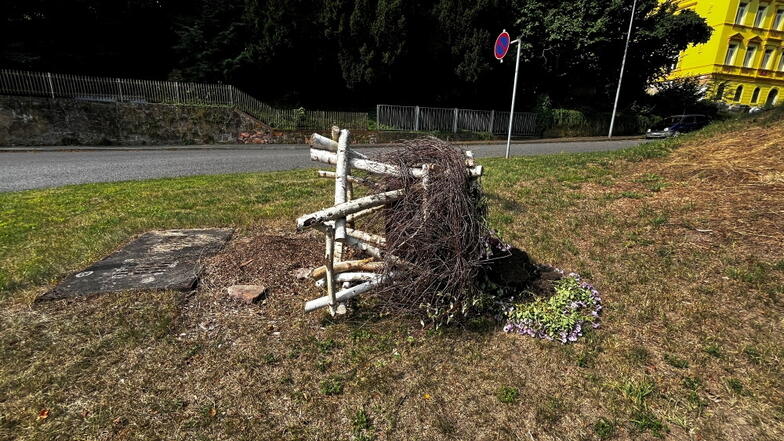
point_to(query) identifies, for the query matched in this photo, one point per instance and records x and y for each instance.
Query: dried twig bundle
(439, 226)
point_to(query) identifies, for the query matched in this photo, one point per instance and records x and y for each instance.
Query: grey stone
(158, 260)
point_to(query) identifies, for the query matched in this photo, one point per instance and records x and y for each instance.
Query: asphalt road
(44, 169)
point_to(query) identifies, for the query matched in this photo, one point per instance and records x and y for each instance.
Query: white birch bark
(360, 214)
(341, 173)
(342, 296)
(319, 142)
(329, 259)
(342, 210)
(363, 265)
(349, 277)
(362, 164)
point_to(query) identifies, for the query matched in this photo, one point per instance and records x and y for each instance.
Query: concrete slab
(158, 260)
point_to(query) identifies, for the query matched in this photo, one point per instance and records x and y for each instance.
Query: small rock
(247, 293)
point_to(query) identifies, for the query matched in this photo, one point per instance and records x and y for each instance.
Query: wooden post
(426, 169)
(341, 178)
(328, 262)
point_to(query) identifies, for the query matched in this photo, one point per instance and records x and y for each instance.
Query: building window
(738, 94)
(781, 61)
(755, 95)
(762, 11)
(748, 61)
(731, 51)
(779, 20)
(720, 91)
(741, 15)
(767, 58)
(772, 97)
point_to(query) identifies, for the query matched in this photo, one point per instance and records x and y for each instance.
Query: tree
(573, 48)
(128, 38)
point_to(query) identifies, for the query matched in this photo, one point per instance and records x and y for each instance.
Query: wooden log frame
(337, 221)
(378, 167)
(348, 266)
(350, 179)
(342, 210)
(341, 178)
(347, 294)
(323, 143)
(349, 277)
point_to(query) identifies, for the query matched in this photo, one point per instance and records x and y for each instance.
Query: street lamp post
(623, 66)
(514, 95)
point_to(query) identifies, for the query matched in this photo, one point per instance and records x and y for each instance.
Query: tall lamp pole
(623, 66)
(514, 95)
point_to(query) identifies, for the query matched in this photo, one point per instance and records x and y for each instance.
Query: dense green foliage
(354, 54)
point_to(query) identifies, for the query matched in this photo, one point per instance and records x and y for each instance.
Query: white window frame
(759, 17)
(779, 20)
(732, 53)
(767, 57)
(751, 54)
(740, 15)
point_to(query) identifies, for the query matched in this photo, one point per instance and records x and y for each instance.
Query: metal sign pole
(623, 66)
(514, 94)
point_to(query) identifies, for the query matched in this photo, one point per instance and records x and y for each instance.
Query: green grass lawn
(689, 263)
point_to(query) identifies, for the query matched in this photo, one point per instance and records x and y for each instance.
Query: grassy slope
(686, 248)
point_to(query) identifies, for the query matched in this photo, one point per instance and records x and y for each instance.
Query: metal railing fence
(105, 89)
(440, 119)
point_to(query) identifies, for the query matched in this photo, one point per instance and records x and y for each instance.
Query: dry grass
(688, 255)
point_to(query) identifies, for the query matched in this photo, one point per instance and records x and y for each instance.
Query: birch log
(341, 173)
(343, 210)
(426, 170)
(329, 260)
(367, 237)
(469, 158)
(360, 214)
(362, 164)
(350, 179)
(343, 295)
(323, 143)
(349, 277)
(348, 266)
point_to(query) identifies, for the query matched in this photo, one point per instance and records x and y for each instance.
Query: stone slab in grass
(158, 260)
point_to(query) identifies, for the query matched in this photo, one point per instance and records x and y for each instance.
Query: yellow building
(743, 63)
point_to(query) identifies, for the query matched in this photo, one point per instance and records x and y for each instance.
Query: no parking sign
(502, 45)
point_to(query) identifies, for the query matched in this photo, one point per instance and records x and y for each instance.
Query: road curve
(45, 169)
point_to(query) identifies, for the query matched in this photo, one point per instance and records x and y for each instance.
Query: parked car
(677, 124)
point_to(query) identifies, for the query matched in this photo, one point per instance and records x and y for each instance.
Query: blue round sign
(502, 45)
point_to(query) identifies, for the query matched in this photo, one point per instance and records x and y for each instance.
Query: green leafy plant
(508, 394)
(362, 426)
(604, 428)
(561, 316)
(331, 386)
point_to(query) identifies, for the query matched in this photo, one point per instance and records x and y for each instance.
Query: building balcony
(751, 73)
(751, 32)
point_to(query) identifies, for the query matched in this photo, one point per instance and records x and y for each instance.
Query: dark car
(676, 125)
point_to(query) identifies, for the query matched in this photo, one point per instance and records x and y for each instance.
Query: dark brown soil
(266, 259)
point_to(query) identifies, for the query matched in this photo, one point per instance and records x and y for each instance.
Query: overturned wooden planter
(355, 276)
